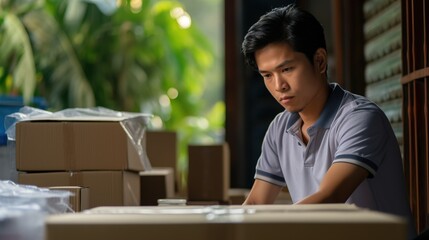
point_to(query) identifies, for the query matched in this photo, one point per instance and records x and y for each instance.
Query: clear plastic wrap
(23, 209)
(48, 201)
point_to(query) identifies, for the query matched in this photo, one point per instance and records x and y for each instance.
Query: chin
(293, 110)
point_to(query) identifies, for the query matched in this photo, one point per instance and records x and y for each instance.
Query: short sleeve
(362, 138)
(268, 165)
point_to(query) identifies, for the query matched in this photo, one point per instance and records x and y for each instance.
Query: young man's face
(289, 76)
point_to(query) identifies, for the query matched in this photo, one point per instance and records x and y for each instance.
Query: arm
(338, 184)
(262, 192)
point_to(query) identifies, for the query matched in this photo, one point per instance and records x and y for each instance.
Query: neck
(310, 114)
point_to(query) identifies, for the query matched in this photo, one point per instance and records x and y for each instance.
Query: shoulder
(357, 106)
(359, 113)
(360, 118)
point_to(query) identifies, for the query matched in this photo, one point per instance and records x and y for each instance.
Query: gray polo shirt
(350, 129)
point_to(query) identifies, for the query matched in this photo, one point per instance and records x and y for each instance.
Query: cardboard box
(77, 145)
(161, 147)
(208, 172)
(79, 200)
(155, 184)
(106, 188)
(298, 222)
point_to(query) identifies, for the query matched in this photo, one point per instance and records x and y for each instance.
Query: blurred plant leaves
(17, 56)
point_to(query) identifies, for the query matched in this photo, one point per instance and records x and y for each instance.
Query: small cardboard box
(106, 188)
(97, 144)
(155, 184)
(161, 147)
(299, 222)
(208, 172)
(79, 200)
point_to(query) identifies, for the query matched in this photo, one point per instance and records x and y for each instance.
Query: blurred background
(158, 57)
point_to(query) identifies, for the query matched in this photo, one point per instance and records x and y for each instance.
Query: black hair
(291, 25)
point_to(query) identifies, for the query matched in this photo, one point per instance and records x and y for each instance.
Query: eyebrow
(284, 63)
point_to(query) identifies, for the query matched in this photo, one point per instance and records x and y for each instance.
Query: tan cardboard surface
(332, 222)
(106, 188)
(75, 145)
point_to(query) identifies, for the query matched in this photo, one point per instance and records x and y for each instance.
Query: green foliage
(137, 56)
(16, 60)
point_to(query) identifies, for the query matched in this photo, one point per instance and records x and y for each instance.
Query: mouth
(285, 99)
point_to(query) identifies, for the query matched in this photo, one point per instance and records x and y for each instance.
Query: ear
(321, 60)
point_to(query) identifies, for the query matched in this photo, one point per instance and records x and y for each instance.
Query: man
(329, 145)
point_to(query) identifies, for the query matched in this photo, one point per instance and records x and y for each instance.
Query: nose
(280, 84)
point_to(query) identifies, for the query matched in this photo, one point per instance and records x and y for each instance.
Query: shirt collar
(329, 111)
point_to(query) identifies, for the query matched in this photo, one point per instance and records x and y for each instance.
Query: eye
(266, 76)
(287, 69)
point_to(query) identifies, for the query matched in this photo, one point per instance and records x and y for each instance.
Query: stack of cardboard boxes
(95, 154)
(98, 155)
